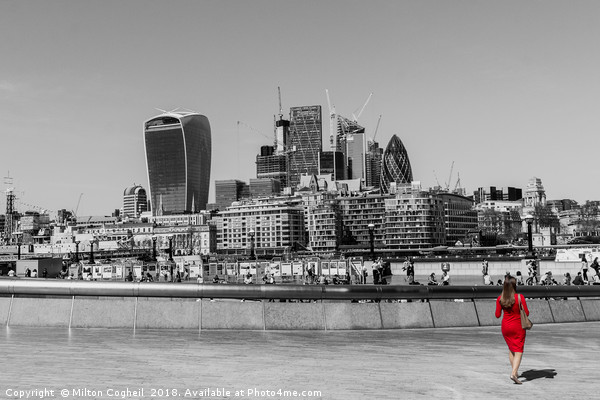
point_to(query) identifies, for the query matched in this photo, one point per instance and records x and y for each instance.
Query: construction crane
(280, 107)
(77, 208)
(436, 179)
(332, 124)
(450, 177)
(356, 117)
(457, 187)
(257, 131)
(376, 128)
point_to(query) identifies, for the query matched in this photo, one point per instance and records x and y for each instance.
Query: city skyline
(506, 90)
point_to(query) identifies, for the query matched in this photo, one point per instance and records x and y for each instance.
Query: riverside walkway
(560, 361)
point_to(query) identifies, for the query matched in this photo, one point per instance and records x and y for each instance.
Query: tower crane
(450, 177)
(332, 123)
(77, 208)
(280, 108)
(356, 117)
(376, 128)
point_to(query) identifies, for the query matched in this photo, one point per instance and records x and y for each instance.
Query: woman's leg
(516, 362)
(511, 357)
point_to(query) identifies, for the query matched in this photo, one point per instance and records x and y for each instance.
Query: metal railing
(68, 288)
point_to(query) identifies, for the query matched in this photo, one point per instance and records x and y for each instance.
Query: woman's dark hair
(507, 299)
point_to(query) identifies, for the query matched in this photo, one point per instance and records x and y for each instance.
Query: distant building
(373, 164)
(350, 141)
(534, 193)
(228, 191)
(395, 166)
(178, 158)
(264, 187)
(459, 217)
(135, 201)
(332, 163)
(563, 205)
(497, 194)
(305, 139)
(270, 165)
(360, 211)
(500, 217)
(277, 226)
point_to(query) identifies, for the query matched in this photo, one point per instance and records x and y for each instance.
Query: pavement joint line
(71, 313)
(12, 297)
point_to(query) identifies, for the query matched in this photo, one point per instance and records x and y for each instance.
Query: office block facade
(395, 165)
(135, 201)
(230, 190)
(304, 142)
(178, 159)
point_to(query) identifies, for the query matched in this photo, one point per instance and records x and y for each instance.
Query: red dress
(513, 333)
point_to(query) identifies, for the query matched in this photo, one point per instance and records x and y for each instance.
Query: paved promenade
(561, 361)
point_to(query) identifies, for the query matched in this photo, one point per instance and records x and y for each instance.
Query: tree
(545, 217)
(588, 216)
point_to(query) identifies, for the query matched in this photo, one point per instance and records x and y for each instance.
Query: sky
(505, 90)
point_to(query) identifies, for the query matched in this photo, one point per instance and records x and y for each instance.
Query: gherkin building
(395, 165)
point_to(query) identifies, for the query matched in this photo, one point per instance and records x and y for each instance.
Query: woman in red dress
(513, 333)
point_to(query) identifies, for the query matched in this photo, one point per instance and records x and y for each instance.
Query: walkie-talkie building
(395, 165)
(178, 156)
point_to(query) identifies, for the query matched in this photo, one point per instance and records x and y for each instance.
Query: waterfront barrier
(134, 305)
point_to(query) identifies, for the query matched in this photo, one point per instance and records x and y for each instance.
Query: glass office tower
(395, 165)
(178, 156)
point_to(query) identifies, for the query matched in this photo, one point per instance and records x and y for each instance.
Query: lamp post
(19, 250)
(77, 251)
(252, 255)
(170, 237)
(154, 247)
(91, 260)
(371, 240)
(529, 219)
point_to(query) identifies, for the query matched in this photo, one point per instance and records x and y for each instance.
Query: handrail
(51, 287)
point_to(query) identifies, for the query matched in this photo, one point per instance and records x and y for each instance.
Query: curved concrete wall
(176, 313)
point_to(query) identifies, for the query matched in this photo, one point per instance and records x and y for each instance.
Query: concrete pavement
(560, 362)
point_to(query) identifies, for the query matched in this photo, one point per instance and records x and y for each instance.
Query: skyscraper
(178, 156)
(373, 164)
(134, 201)
(395, 166)
(351, 141)
(304, 138)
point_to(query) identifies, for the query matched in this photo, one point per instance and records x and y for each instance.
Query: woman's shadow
(539, 373)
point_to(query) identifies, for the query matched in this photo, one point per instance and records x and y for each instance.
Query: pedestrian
(445, 278)
(45, 273)
(27, 272)
(409, 267)
(484, 269)
(364, 274)
(519, 278)
(578, 280)
(567, 280)
(487, 280)
(595, 266)
(509, 303)
(431, 281)
(584, 268)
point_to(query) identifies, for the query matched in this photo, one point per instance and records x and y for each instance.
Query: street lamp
(170, 237)
(18, 250)
(371, 240)
(154, 247)
(77, 251)
(529, 219)
(252, 255)
(91, 260)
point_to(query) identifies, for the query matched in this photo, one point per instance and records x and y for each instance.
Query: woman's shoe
(516, 380)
